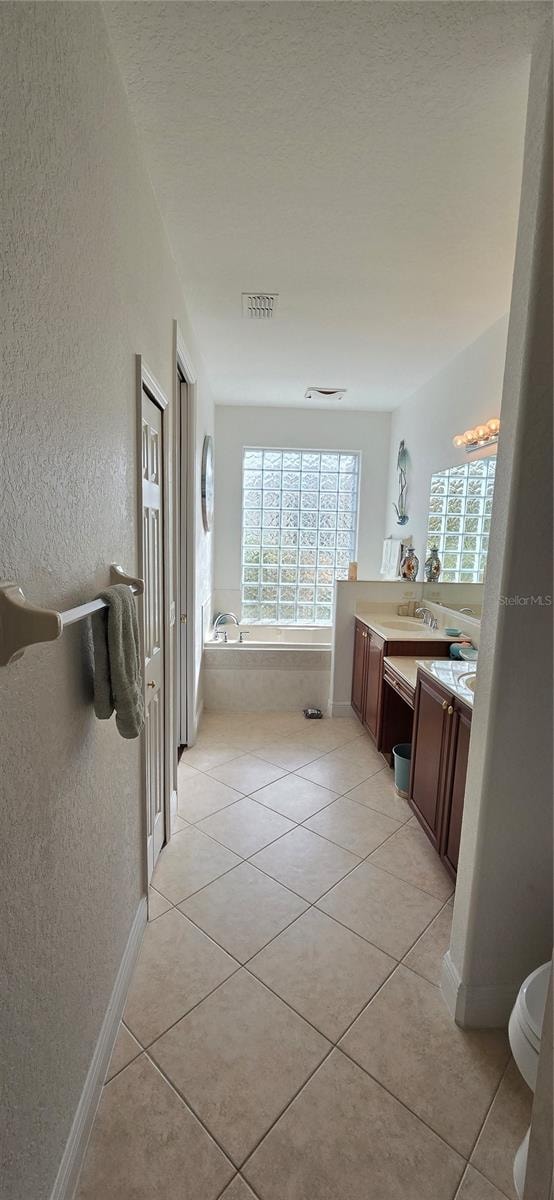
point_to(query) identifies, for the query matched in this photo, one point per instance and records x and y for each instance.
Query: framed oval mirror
(207, 483)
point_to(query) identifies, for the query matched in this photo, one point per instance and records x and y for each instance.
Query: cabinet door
(359, 668)
(455, 787)
(430, 737)
(373, 689)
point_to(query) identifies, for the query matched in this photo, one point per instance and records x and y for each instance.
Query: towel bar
(23, 623)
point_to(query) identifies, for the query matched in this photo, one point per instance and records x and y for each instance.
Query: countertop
(402, 629)
(449, 672)
(405, 667)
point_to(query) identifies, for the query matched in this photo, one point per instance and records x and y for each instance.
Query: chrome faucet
(427, 617)
(224, 619)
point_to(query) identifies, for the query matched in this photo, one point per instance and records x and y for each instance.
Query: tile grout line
(482, 1126)
(334, 1045)
(310, 905)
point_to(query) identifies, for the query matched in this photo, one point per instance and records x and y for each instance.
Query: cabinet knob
(450, 710)
(445, 705)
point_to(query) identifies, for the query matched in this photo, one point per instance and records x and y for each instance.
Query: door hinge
(183, 618)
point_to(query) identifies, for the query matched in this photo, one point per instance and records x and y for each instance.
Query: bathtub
(277, 668)
(301, 637)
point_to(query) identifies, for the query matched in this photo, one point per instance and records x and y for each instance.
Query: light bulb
(482, 432)
(493, 426)
(458, 440)
(469, 437)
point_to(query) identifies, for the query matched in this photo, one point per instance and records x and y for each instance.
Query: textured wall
(90, 281)
(467, 392)
(502, 927)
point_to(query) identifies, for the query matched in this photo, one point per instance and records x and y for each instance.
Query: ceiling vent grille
(312, 393)
(259, 306)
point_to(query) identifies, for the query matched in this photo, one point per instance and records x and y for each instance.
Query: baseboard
(339, 708)
(72, 1160)
(476, 1007)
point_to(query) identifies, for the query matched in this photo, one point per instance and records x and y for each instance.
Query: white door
(153, 542)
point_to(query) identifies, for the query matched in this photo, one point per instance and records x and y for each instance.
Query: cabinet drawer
(400, 686)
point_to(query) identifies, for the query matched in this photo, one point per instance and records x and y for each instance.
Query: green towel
(117, 674)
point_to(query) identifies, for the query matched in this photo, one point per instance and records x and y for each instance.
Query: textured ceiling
(363, 160)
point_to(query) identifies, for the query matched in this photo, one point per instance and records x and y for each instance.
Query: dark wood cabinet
(372, 711)
(440, 749)
(368, 691)
(428, 754)
(455, 786)
(359, 668)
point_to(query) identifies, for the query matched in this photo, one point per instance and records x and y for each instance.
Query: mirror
(466, 598)
(458, 525)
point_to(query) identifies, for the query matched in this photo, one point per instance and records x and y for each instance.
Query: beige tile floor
(284, 1036)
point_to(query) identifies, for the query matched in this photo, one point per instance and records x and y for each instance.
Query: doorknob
(151, 684)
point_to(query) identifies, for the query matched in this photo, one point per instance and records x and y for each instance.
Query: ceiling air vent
(313, 393)
(259, 306)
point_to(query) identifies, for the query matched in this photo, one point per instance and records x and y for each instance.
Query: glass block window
(299, 533)
(460, 509)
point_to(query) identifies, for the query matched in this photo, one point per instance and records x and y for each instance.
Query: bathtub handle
(244, 633)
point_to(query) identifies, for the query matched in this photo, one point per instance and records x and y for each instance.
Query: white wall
(236, 427)
(502, 925)
(89, 282)
(466, 393)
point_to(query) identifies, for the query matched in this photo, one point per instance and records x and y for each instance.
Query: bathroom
(259, 658)
(290, 649)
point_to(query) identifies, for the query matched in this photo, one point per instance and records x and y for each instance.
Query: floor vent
(259, 306)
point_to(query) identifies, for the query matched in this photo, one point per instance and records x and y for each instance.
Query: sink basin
(407, 624)
(469, 680)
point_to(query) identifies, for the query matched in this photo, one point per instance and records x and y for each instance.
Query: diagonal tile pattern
(238, 1060)
(139, 1111)
(344, 1136)
(352, 826)
(306, 863)
(381, 908)
(243, 910)
(246, 826)
(401, 1037)
(284, 1017)
(177, 967)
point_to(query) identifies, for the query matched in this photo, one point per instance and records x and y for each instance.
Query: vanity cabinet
(440, 748)
(372, 710)
(367, 671)
(368, 691)
(429, 741)
(359, 668)
(456, 771)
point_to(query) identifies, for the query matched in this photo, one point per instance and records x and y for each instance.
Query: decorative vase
(433, 566)
(409, 565)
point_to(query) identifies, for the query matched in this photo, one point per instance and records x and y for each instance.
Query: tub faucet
(223, 619)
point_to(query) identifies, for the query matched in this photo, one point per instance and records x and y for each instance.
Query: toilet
(524, 1031)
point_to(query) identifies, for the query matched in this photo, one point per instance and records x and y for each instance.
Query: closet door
(154, 673)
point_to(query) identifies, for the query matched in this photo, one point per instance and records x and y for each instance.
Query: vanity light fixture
(475, 439)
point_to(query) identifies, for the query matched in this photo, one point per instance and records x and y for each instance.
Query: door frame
(185, 531)
(147, 381)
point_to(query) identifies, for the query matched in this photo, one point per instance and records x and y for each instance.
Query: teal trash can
(402, 755)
